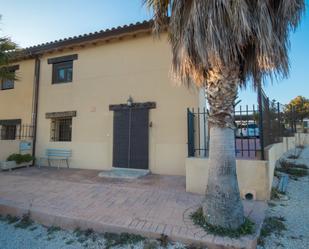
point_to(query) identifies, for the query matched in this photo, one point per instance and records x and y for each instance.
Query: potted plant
(17, 160)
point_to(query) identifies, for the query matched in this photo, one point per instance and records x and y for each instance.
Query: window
(62, 68)
(62, 72)
(61, 129)
(7, 84)
(8, 132)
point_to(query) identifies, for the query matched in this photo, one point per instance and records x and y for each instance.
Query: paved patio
(151, 206)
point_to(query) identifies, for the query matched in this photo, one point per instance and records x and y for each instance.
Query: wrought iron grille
(61, 129)
(256, 127)
(16, 132)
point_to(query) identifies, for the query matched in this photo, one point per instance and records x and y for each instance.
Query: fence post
(261, 127)
(280, 131)
(294, 119)
(20, 131)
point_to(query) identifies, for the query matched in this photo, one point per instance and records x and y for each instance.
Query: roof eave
(115, 33)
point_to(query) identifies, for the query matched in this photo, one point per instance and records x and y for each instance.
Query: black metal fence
(247, 133)
(16, 132)
(257, 126)
(277, 122)
(198, 138)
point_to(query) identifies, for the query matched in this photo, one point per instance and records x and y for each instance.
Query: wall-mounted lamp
(130, 101)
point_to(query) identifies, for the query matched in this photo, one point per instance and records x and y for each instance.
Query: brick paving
(151, 206)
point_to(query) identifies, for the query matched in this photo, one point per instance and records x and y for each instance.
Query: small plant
(11, 219)
(286, 164)
(199, 219)
(89, 232)
(272, 225)
(296, 152)
(69, 242)
(275, 194)
(297, 172)
(113, 240)
(82, 239)
(163, 240)
(271, 204)
(24, 222)
(51, 230)
(33, 228)
(78, 232)
(83, 236)
(19, 158)
(150, 244)
(293, 156)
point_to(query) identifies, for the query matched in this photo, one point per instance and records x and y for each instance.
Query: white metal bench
(59, 155)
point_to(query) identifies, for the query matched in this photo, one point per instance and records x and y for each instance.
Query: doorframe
(143, 105)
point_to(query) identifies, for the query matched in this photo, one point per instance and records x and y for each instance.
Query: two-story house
(107, 96)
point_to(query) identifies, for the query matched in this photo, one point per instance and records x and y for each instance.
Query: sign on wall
(25, 146)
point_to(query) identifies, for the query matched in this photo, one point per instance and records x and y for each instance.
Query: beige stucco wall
(275, 151)
(302, 138)
(252, 177)
(17, 103)
(107, 74)
(8, 147)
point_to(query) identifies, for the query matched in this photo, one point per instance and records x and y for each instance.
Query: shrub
(19, 158)
(275, 194)
(120, 240)
(24, 222)
(199, 219)
(286, 164)
(294, 172)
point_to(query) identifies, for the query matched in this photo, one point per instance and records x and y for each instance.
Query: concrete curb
(198, 238)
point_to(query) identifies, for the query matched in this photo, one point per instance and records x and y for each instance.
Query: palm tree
(221, 45)
(6, 46)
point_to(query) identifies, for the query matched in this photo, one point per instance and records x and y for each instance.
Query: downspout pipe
(36, 102)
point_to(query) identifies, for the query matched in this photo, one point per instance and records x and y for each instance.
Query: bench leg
(48, 162)
(67, 161)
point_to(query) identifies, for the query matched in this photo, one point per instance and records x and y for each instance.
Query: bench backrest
(61, 153)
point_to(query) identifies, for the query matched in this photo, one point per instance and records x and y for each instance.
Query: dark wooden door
(121, 139)
(131, 138)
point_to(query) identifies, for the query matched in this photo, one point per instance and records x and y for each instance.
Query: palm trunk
(223, 206)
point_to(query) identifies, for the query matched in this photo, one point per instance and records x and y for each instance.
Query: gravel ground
(38, 237)
(295, 210)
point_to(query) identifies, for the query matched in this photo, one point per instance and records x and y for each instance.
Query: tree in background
(221, 45)
(297, 109)
(6, 46)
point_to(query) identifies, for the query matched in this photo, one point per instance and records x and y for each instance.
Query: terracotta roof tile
(84, 38)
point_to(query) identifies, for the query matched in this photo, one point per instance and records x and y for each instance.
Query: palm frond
(215, 34)
(161, 9)
(6, 48)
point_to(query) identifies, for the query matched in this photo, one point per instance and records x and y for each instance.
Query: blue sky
(30, 22)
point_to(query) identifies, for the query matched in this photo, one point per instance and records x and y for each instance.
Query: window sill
(5, 89)
(61, 83)
(60, 142)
